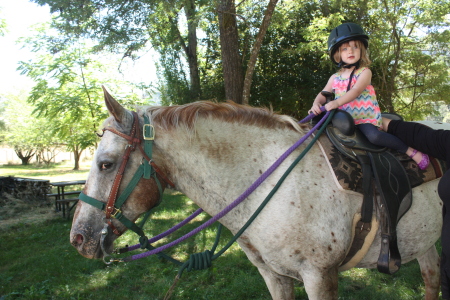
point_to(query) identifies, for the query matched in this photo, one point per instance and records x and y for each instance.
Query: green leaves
(408, 46)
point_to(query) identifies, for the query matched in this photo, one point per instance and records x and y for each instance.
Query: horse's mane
(174, 116)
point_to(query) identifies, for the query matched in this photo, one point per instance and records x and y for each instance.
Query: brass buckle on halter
(151, 132)
(115, 212)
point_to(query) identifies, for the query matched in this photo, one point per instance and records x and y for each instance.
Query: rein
(197, 261)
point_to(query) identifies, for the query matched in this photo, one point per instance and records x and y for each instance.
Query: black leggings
(382, 138)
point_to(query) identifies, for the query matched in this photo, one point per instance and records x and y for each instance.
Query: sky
(19, 16)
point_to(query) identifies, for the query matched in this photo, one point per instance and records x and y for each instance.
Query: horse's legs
(280, 287)
(321, 284)
(429, 266)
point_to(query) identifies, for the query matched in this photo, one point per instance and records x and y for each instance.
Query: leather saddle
(382, 170)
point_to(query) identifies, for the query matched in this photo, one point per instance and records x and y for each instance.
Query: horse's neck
(220, 160)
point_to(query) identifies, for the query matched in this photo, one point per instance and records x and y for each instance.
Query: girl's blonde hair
(364, 61)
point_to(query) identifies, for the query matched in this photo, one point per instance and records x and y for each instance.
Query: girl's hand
(331, 105)
(315, 109)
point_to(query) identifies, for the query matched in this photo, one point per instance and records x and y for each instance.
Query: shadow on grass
(38, 262)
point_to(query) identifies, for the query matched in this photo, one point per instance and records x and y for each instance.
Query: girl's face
(350, 52)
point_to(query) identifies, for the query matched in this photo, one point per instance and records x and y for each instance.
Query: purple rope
(195, 214)
(310, 116)
(241, 198)
(171, 230)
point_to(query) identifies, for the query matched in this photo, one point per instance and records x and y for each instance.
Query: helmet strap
(342, 64)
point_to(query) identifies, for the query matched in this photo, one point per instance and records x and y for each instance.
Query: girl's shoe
(424, 162)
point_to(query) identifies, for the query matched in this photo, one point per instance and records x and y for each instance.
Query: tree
(255, 51)
(293, 65)
(408, 45)
(3, 26)
(22, 130)
(129, 25)
(233, 76)
(408, 42)
(67, 91)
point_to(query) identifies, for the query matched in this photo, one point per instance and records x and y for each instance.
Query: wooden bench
(61, 202)
(66, 204)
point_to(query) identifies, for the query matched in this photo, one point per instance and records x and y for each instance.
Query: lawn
(56, 172)
(38, 262)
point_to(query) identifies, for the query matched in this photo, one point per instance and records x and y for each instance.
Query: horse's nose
(77, 241)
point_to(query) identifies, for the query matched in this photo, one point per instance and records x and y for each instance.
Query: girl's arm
(320, 99)
(361, 83)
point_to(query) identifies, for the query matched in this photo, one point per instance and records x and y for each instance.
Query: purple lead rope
(230, 206)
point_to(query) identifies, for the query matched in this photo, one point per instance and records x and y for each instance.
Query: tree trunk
(76, 157)
(231, 59)
(389, 86)
(25, 158)
(255, 51)
(191, 50)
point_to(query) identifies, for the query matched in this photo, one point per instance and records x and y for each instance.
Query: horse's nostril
(79, 239)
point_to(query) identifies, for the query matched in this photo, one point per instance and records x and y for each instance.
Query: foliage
(409, 51)
(3, 25)
(291, 71)
(408, 46)
(2, 116)
(67, 90)
(25, 133)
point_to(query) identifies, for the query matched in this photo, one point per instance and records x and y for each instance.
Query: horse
(212, 152)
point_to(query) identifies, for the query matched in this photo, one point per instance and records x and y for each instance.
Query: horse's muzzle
(90, 244)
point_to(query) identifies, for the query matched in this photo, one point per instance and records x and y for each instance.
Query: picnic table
(61, 202)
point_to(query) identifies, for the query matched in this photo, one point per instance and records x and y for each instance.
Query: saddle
(382, 174)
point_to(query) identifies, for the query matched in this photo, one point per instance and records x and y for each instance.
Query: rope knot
(199, 261)
(143, 240)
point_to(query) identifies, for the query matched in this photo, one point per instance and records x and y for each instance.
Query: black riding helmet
(344, 33)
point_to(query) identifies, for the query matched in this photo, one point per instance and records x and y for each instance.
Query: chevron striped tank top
(365, 108)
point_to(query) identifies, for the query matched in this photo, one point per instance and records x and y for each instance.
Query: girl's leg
(384, 139)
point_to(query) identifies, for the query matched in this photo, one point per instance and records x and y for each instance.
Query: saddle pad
(349, 175)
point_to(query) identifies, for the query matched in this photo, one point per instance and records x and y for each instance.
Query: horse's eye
(105, 166)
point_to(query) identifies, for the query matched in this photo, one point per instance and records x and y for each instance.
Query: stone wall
(25, 189)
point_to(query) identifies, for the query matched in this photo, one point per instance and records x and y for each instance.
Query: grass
(38, 262)
(55, 172)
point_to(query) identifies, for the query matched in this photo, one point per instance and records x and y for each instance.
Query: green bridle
(146, 170)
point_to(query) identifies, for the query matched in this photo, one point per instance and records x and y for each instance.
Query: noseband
(146, 170)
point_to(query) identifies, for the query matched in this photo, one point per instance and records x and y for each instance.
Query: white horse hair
(213, 152)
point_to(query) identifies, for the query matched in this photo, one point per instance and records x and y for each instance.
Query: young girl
(347, 45)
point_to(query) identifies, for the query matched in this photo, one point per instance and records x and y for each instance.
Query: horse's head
(105, 202)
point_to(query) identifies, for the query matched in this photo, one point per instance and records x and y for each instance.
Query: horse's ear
(115, 109)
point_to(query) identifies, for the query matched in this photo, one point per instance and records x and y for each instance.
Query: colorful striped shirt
(365, 108)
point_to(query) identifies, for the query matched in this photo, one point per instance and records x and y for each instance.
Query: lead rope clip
(107, 258)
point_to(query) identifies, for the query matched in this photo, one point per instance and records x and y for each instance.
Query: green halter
(146, 170)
